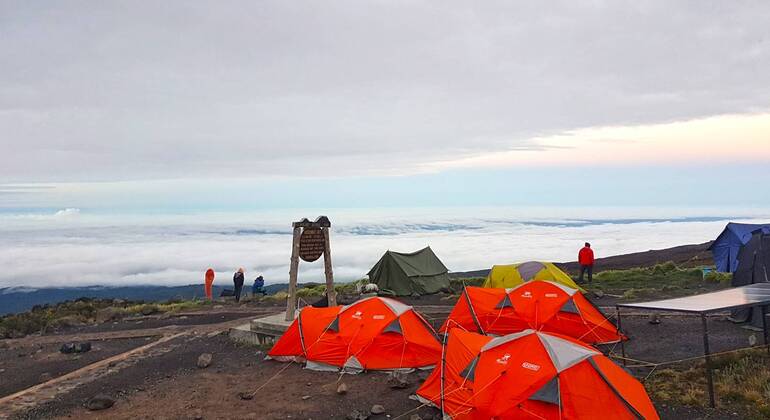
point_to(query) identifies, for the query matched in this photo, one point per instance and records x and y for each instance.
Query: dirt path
(289, 391)
(171, 338)
(22, 368)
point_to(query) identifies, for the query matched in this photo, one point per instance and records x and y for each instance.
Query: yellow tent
(513, 275)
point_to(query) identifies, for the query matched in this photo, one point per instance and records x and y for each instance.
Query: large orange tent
(372, 334)
(539, 305)
(531, 375)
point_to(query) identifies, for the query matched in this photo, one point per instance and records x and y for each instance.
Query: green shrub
(639, 293)
(314, 291)
(717, 277)
(456, 285)
(664, 268)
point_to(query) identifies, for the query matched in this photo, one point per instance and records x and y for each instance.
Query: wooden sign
(310, 241)
(311, 244)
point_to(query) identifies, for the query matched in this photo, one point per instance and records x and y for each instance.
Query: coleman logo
(378, 317)
(504, 360)
(531, 366)
(526, 294)
(551, 295)
(357, 315)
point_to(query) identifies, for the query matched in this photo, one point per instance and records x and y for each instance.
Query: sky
(179, 105)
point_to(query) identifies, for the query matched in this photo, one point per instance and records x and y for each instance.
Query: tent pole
(707, 353)
(620, 330)
(443, 364)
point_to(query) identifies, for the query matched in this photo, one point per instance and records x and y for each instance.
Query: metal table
(748, 296)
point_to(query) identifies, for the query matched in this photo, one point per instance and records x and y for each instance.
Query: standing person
(209, 283)
(586, 261)
(238, 282)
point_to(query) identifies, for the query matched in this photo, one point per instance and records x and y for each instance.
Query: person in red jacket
(586, 261)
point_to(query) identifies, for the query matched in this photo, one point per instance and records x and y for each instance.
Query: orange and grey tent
(538, 305)
(371, 334)
(531, 375)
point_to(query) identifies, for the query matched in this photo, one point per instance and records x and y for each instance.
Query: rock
(218, 306)
(100, 402)
(599, 293)
(342, 388)
(118, 301)
(306, 397)
(197, 415)
(245, 396)
(415, 295)
(44, 377)
(752, 340)
(415, 417)
(654, 318)
(149, 309)
(68, 348)
(108, 314)
(398, 380)
(377, 409)
(204, 360)
(357, 415)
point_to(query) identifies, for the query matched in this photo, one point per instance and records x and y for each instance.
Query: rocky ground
(153, 367)
(169, 383)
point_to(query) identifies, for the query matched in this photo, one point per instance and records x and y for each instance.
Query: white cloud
(120, 250)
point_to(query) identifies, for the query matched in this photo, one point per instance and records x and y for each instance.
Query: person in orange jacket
(209, 283)
(586, 261)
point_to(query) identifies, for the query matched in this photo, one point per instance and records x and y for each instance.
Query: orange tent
(531, 375)
(373, 333)
(539, 305)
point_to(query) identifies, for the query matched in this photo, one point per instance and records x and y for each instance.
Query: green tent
(404, 274)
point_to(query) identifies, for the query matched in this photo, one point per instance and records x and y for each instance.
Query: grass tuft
(741, 383)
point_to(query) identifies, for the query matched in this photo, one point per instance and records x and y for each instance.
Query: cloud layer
(115, 91)
(72, 248)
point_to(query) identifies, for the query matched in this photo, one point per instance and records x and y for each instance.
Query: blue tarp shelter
(725, 248)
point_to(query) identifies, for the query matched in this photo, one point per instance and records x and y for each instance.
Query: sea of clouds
(70, 247)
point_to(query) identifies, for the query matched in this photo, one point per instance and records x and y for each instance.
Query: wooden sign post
(310, 242)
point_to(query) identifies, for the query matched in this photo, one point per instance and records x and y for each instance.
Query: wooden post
(707, 354)
(620, 330)
(291, 300)
(330, 293)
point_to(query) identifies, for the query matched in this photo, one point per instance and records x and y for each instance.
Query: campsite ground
(164, 381)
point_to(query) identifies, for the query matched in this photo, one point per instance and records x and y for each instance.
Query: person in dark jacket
(238, 282)
(586, 261)
(258, 286)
